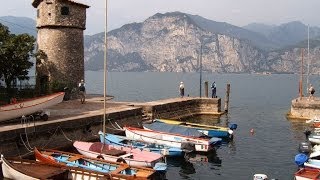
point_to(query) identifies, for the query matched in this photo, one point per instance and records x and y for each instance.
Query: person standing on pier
(181, 89)
(311, 92)
(213, 89)
(82, 91)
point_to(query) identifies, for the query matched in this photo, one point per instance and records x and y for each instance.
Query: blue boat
(176, 129)
(156, 148)
(92, 168)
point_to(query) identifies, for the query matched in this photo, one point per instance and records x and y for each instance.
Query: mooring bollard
(226, 101)
(206, 88)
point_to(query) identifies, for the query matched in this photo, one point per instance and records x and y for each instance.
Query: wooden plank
(120, 168)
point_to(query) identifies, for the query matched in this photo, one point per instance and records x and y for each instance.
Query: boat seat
(114, 152)
(73, 158)
(96, 147)
(129, 155)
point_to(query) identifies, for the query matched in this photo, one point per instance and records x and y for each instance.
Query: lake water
(258, 102)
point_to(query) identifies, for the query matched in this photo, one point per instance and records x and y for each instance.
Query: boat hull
(126, 142)
(81, 167)
(31, 170)
(28, 107)
(173, 140)
(211, 131)
(307, 174)
(132, 157)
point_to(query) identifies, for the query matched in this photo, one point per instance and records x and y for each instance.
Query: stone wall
(64, 48)
(183, 108)
(61, 135)
(60, 36)
(304, 108)
(49, 14)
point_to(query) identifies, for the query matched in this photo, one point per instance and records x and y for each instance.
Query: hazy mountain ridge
(19, 25)
(287, 34)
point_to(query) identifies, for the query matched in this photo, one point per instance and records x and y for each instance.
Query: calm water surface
(256, 101)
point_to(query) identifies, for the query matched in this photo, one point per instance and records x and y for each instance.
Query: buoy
(252, 131)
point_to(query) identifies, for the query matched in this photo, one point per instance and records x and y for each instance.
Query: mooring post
(226, 101)
(206, 88)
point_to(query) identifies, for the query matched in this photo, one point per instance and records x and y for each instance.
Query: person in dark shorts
(82, 91)
(311, 92)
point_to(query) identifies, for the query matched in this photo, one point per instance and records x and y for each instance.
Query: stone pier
(304, 108)
(71, 120)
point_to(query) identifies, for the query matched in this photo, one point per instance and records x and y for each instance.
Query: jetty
(304, 108)
(71, 120)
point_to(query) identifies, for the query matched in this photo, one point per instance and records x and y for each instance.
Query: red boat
(307, 174)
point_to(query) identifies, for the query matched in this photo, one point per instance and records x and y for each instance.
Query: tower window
(64, 10)
(38, 13)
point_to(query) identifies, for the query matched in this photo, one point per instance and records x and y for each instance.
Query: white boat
(30, 170)
(169, 139)
(30, 106)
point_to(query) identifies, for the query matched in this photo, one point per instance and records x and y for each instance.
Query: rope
(64, 134)
(50, 139)
(24, 144)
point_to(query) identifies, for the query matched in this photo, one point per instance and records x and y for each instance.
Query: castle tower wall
(60, 26)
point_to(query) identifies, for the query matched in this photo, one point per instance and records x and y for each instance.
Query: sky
(236, 12)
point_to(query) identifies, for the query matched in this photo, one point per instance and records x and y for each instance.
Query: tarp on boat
(176, 129)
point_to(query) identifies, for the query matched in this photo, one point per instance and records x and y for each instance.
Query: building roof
(35, 3)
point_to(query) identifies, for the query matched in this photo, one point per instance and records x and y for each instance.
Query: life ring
(121, 160)
(100, 157)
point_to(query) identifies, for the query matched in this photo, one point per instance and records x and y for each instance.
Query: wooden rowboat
(209, 130)
(30, 106)
(101, 168)
(31, 170)
(170, 139)
(307, 174)
(112, 153)
(127, 142)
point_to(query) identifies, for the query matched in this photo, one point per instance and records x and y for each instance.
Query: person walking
(213, 89)
(311, 92)
(181, 89)
(82, 91)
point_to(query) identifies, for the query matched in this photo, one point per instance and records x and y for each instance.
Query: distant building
(60, 25)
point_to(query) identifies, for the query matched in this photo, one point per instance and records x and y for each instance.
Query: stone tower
(60, 25)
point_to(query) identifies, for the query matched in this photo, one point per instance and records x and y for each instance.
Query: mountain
(19, 25)
(255, 38)
(259, 28)
(286, 34)
(171, 42)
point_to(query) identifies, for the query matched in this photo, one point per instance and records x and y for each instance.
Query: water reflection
(299, 127)
(188, 163)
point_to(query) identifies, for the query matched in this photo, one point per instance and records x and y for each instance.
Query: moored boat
(130, 156)
(127, 142)
(94, 168)
(30, 106)
(31, 170)
(307, 174)
(186, 143)
(209, 130)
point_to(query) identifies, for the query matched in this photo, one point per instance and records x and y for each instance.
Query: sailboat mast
(308, 59)
(105, 70)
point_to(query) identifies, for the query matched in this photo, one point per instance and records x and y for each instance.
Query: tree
(15, 52)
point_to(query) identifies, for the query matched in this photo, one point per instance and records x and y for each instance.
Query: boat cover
(175, 129)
